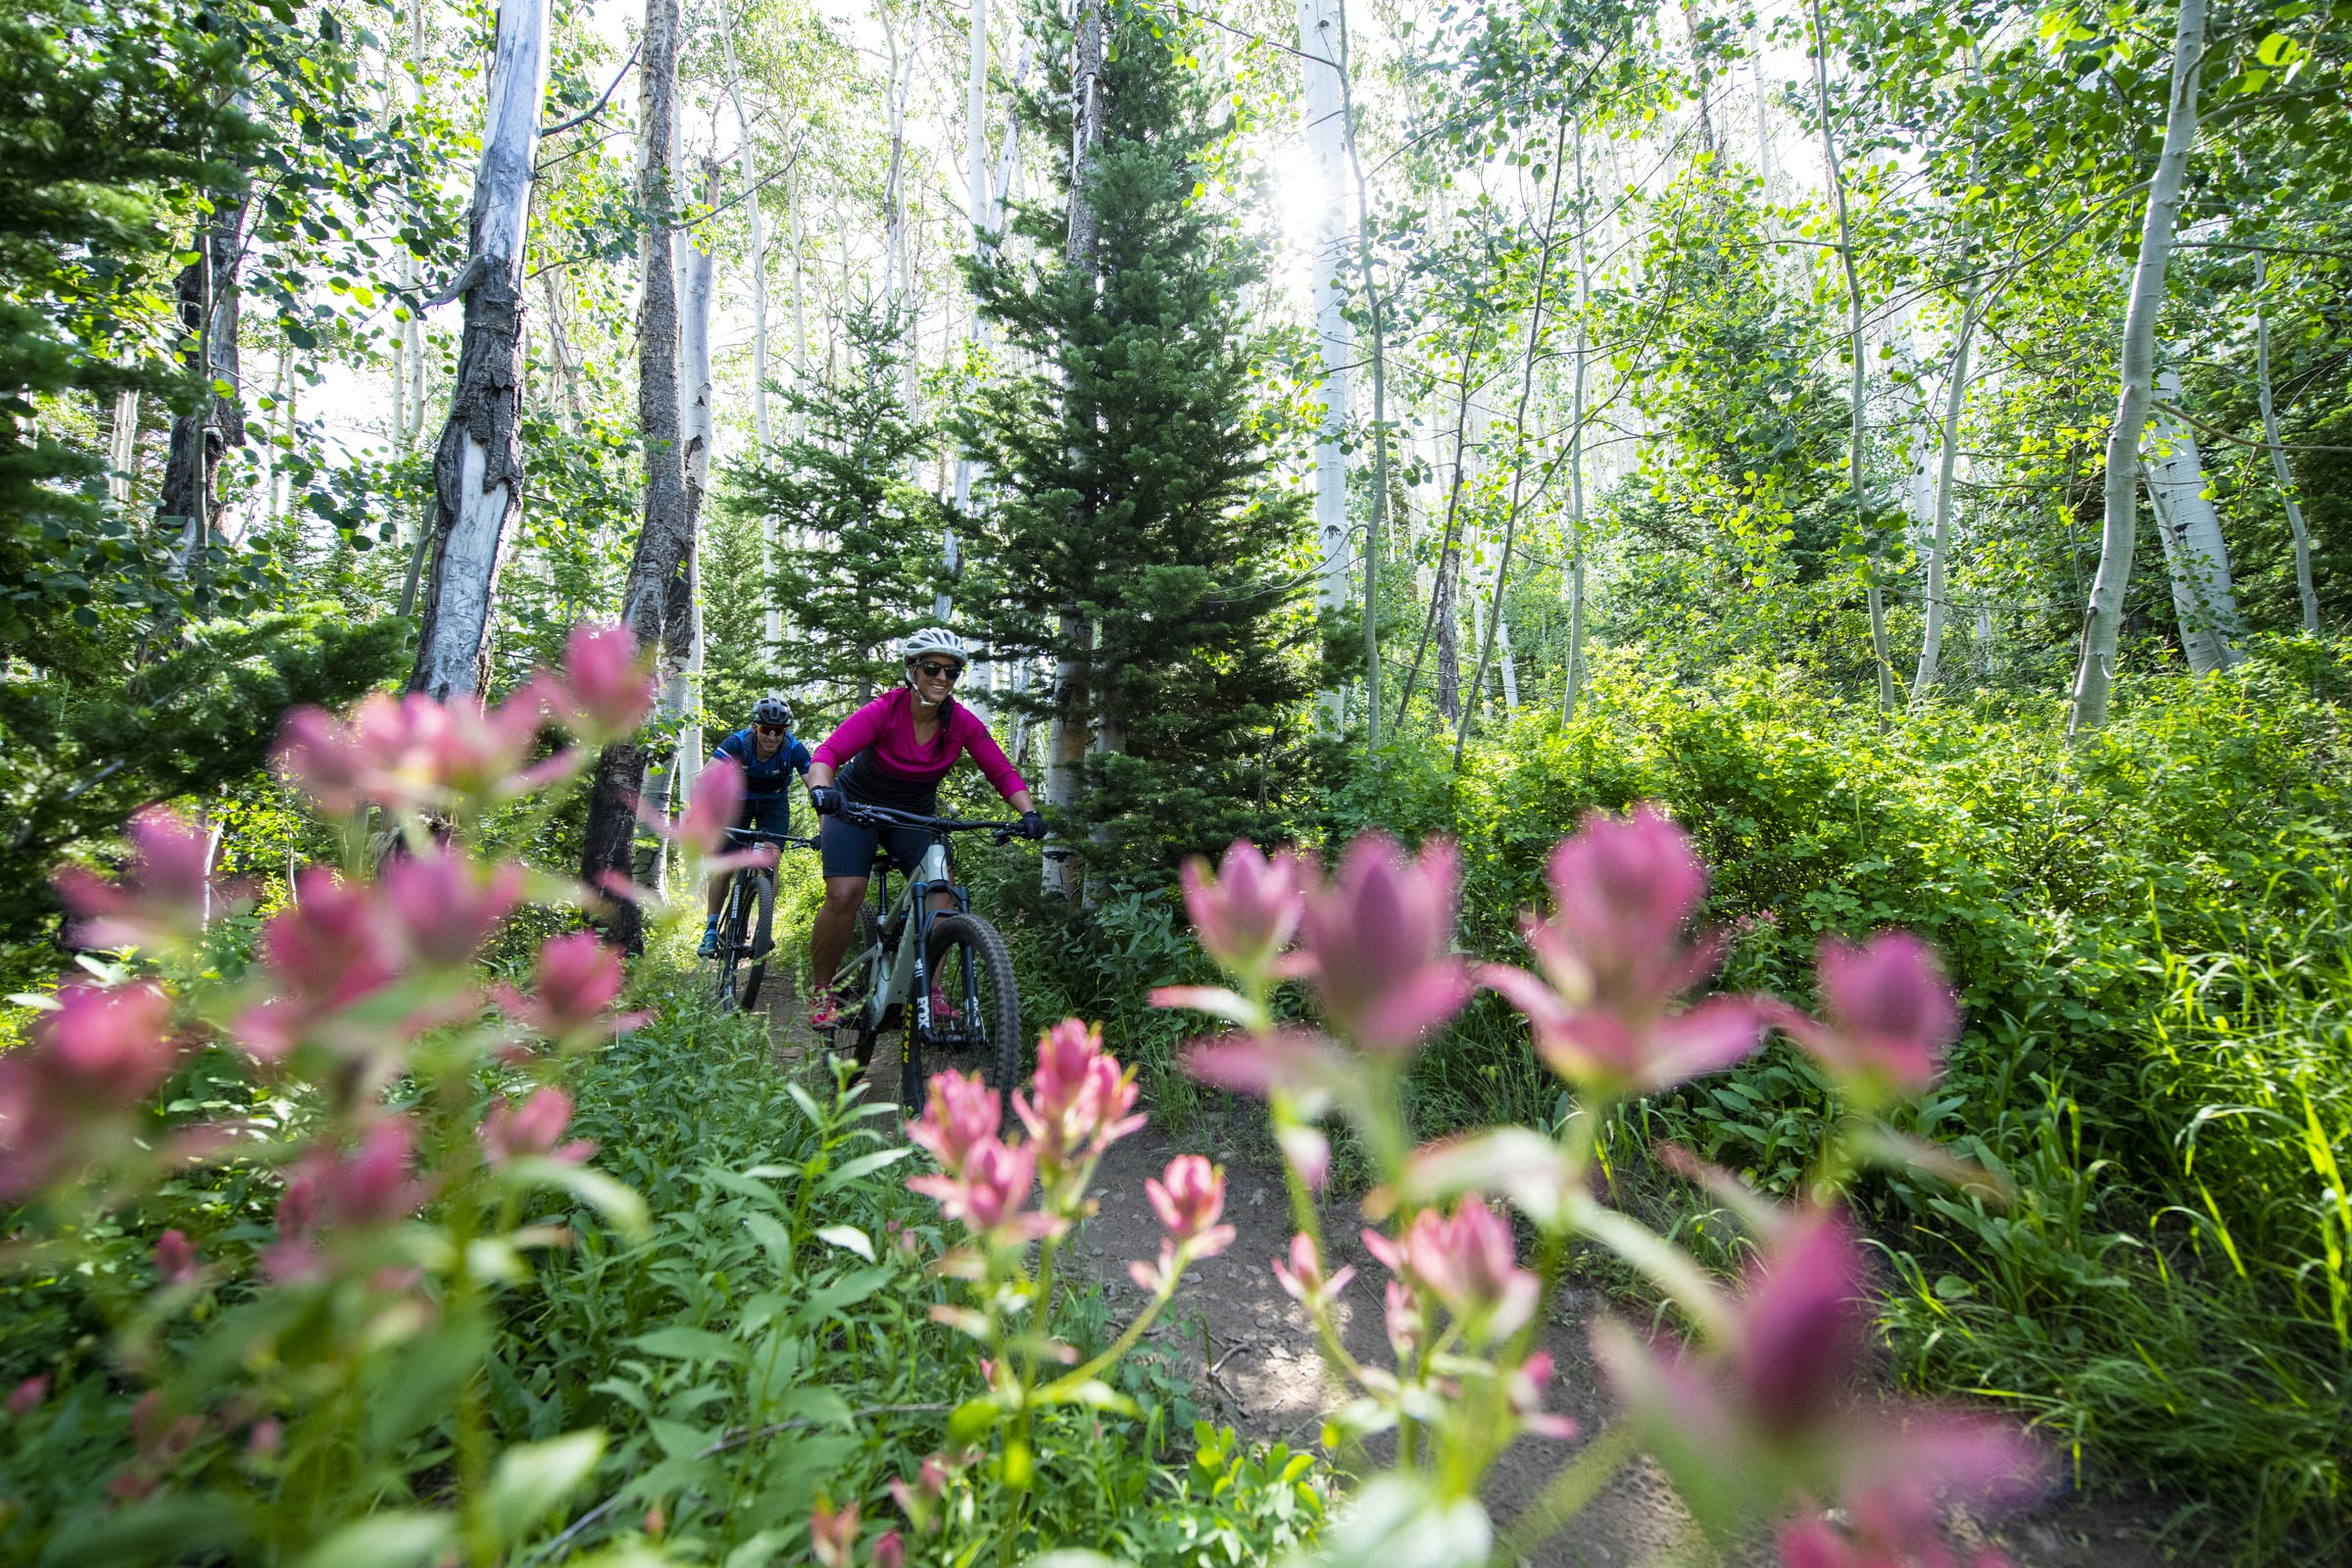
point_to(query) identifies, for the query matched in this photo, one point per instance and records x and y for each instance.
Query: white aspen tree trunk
(1764, 170)
(1576, 445)
(975, 171)
(1872, 588)
(479, 467)
(1519, 442)
(122, 449)
(1067, 740)
(2304, 586)
(2103, 616)
(211, 307)
(700, 432)
(756, 230)
(1510, 667)
(1379, 518)
(1326, 145)
(756, 235)
(1939, 538)
(2196, 555)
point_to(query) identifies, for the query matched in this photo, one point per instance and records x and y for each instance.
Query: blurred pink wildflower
(1189, 1199)
(576, 979)
(1247, 913)
(1468, 1263)
(1304, 1281)
(1078, 1099)
(531, 1130)
(605, 689)
(371, 1188)
(175, 1259)
(833, 1534)
(1614, 960)
(160, 901)
(445, 907)
(1379, 942)
(962, 1114)
(66, 1095)
(1890, 1016)
(989, 1192)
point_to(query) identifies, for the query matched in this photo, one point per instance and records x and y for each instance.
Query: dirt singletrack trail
(1265, 1378)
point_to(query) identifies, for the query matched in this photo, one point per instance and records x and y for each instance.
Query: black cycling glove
(826, 798)
(1032, 826)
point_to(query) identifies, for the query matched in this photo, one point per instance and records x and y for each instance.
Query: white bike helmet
(932, 640)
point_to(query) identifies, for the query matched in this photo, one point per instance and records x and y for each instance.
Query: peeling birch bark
(1335, 339)
(478, 465)
(2103, 616)
(2196, 558)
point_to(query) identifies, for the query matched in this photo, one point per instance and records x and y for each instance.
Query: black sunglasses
(769, 729)
(936, 669)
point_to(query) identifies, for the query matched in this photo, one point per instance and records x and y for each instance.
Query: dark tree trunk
(189, 506)
(667, 535)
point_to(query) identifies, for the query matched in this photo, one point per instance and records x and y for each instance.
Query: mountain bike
(746, 924)
(911, 960)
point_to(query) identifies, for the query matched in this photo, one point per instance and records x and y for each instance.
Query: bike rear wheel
(851, 989)
(761, 890)
(971, 971)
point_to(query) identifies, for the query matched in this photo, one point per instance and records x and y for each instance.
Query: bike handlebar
(750, 835)
(859, 811)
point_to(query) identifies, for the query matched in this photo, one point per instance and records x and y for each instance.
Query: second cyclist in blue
(770, 756)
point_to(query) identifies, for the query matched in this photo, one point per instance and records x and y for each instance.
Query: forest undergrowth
(2152, 938)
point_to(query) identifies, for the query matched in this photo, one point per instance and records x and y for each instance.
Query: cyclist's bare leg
(836, 918)
(716, 902)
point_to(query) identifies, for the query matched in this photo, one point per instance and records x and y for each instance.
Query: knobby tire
(968, 961)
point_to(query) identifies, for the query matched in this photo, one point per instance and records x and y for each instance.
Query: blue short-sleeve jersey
(761, 778)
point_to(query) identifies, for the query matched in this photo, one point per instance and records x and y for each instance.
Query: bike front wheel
(971, 972)
(759, 889)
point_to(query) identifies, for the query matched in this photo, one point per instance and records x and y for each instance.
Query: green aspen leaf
(386, 1541)
(532, 1481)
(849, 1238)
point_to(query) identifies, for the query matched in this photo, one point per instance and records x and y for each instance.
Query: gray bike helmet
(771, 709)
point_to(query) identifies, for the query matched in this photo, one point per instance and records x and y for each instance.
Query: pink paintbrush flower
(1304, 1281)
(1468, 1261)
(1614, 960)
(531, 1129)
(445, 907)
(606, 688)
(1078, 1098)
(1891, 1014)
(1379, 939)
(160, 900)
(576, 979)
(1247, 913)
(66, 1096)
(961, 1113)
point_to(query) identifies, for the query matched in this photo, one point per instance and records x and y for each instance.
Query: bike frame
(901, 963)
(903, 976)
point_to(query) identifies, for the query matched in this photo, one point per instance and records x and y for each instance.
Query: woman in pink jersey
(893, 752)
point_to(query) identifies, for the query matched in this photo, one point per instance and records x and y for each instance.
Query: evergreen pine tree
(1129, 470)
(859, 559)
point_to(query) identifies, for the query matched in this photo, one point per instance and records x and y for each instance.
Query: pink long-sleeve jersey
(885, 726)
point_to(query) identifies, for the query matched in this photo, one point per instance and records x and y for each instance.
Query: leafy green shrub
(2151, 935)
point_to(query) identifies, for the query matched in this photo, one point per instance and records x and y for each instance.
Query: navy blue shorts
(848, 850)
(766, 814)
